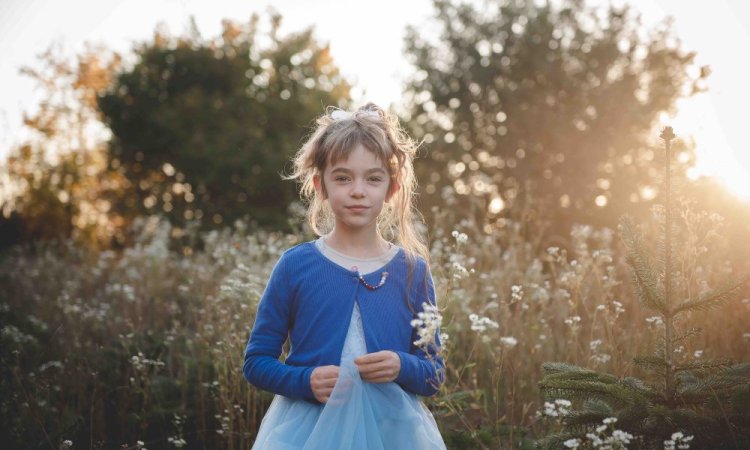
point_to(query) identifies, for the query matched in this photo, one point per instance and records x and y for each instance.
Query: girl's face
(356, 189)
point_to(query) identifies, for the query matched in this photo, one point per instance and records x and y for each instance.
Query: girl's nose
(357, 189)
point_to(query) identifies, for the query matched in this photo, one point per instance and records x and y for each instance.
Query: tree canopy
(552, 103)
(203, 128)
(56, 184)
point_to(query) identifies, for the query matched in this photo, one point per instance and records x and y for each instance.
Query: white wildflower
(550, 410)
(678, 440)
(655, 320)
(177, 441)
(428, 322)
(461, 238)
(516, 293)
(563, 406)
(509, 341)
(559, 407)
(140, 362)
(619, 309)
(601, 358)
(572, 443)
(596, 441)
(572, 320)
(459, 271)
(616, 440)
(50, 364)
(622, 437)
(480, 324)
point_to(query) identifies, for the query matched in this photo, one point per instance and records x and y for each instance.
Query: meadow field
(143, 348)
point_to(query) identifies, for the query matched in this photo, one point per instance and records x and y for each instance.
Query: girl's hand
(322, 380)
(379, 367)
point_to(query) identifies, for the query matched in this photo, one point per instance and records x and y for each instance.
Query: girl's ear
(319, 186)
(392, 189)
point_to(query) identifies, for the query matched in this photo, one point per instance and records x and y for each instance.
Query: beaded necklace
(383, 275)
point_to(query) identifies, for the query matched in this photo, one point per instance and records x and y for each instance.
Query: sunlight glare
(496, 205)
(697, 120)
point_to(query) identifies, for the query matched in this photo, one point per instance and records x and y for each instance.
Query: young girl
(346, 301)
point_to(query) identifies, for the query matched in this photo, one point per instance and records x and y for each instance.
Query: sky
(366, 40)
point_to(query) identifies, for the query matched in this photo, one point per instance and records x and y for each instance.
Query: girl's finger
(379, 362)
(371, 358)
(380, 374)
(379, 380)
(369, 367)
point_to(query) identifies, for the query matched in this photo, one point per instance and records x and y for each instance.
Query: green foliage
(699, 398)
(713, 298)
(203, 128)
(551, 104)
(578, 383)
(644, 276)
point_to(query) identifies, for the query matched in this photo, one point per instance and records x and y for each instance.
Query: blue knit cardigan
(310, 299)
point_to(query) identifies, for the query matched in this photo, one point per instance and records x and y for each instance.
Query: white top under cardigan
(365, 265)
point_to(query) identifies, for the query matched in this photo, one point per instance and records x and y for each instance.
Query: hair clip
(340, 114)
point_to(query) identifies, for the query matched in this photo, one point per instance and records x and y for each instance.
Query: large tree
(55, 184)
(203, 128)
(551, 103)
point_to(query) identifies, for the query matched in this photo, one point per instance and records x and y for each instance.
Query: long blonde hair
(380, 133)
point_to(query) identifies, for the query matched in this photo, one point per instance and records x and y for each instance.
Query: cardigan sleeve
(422, 372)
(262, 367)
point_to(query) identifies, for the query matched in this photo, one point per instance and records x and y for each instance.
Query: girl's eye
(341, 178)
(376, 179)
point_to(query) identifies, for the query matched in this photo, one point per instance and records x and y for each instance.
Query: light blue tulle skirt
(358, 415)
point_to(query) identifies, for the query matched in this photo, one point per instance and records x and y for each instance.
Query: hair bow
(340, 114)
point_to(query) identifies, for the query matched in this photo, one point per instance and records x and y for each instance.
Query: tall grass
(143, 349)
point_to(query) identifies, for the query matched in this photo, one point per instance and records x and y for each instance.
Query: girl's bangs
(340, 145)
